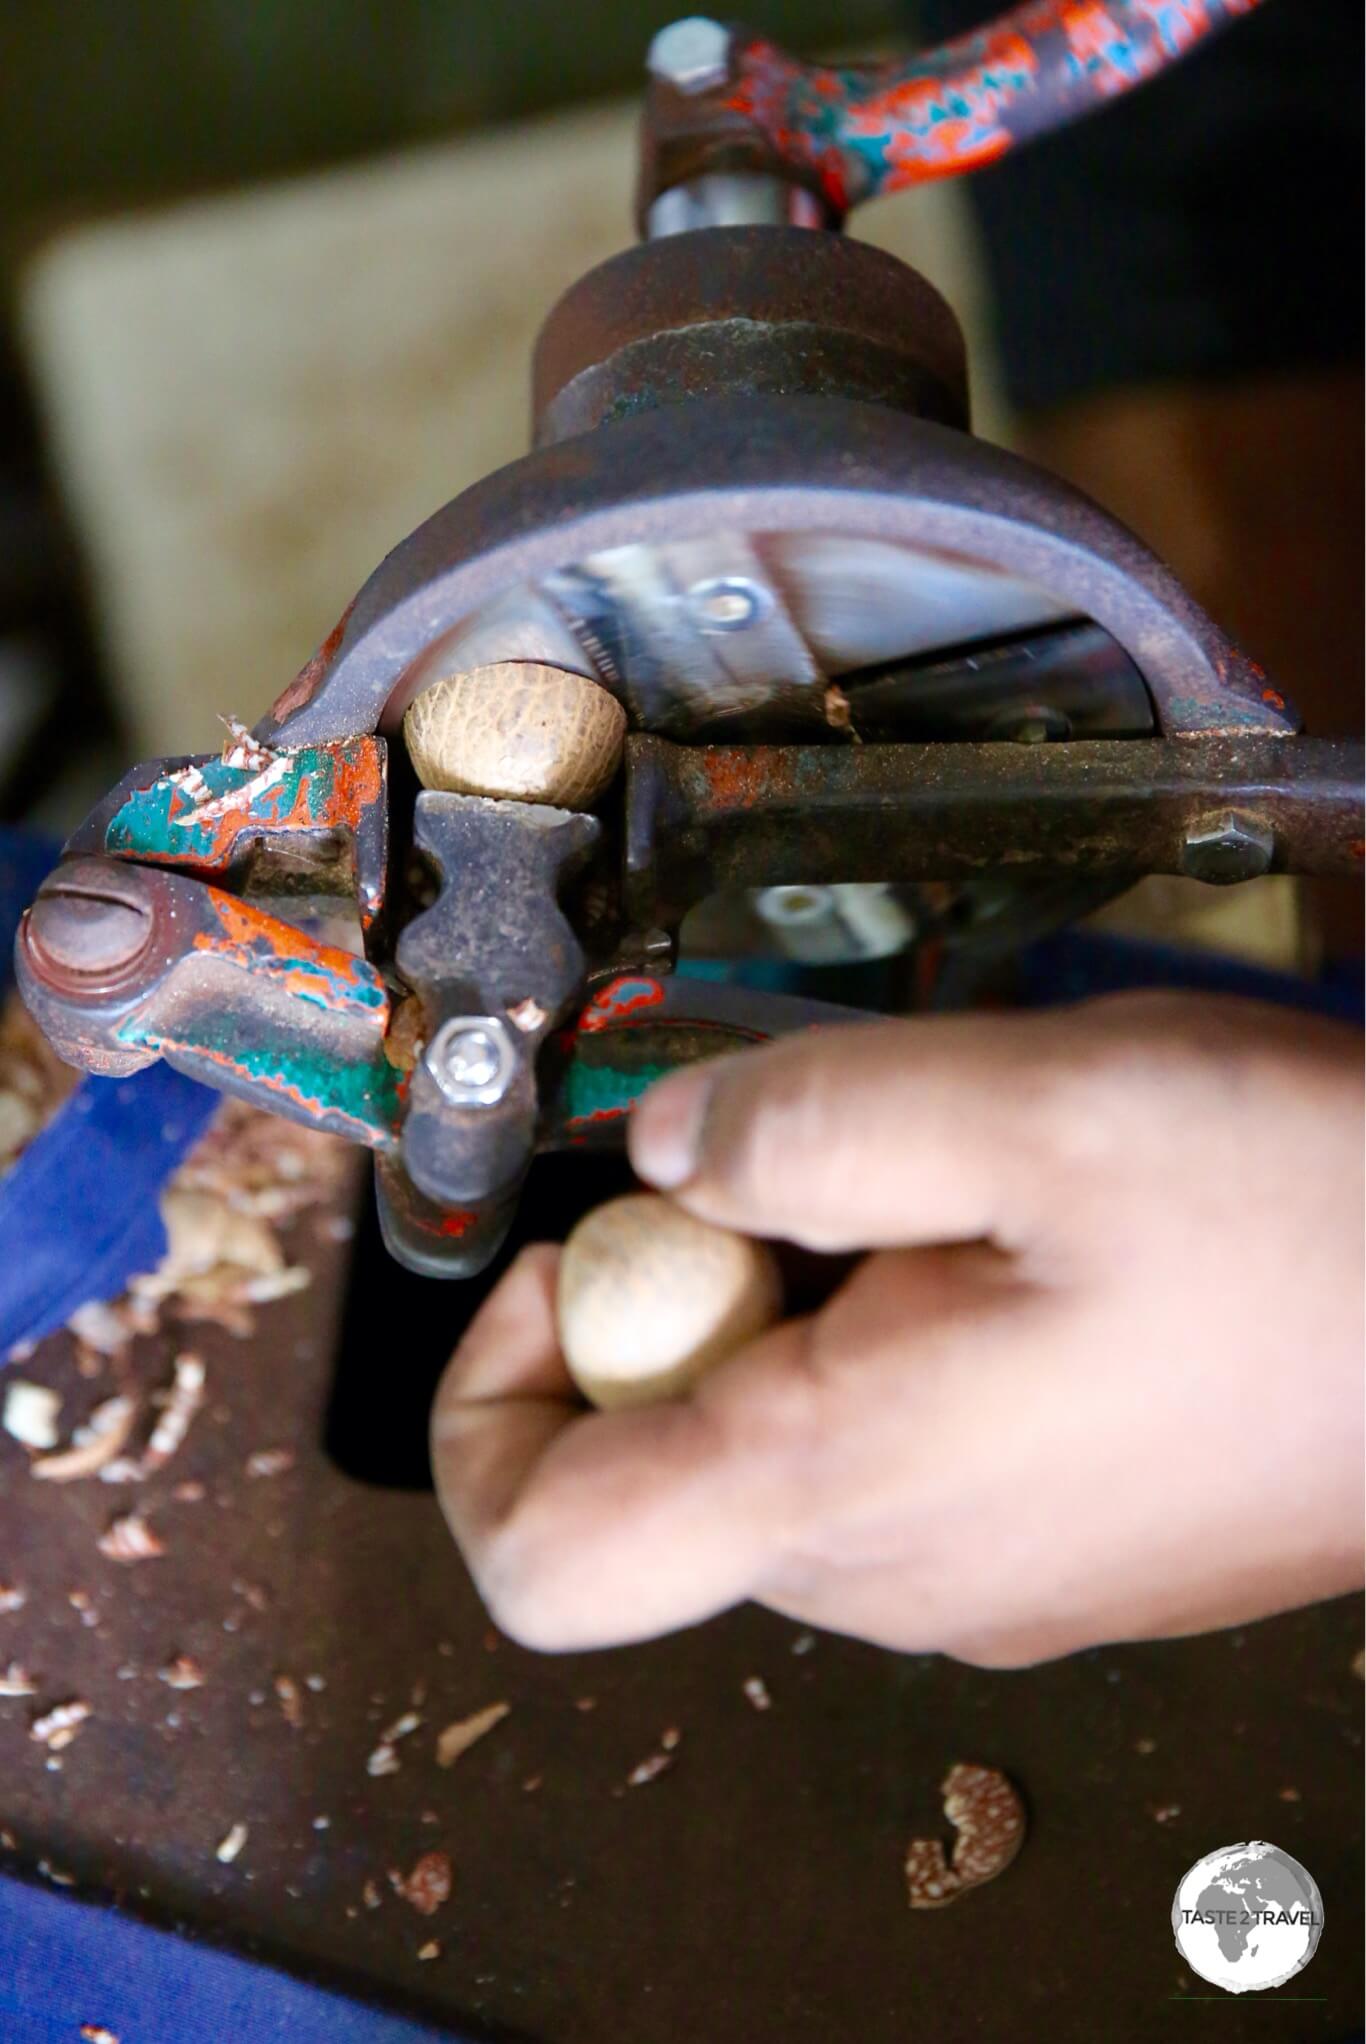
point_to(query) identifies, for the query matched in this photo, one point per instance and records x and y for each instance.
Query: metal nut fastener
(1224, 849)
(472, 1059)
(692, 55)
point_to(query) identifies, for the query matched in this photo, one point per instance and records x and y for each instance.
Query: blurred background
(273, 272)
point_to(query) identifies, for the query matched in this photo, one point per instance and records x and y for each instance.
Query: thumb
(879, 1135)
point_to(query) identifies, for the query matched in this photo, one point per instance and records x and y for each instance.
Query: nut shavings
(431, 1950)
(59, 1726)
(15, 1680)
(457, 1738)
(527, 1015)
(384, 1760)
(370, 1895)
(270, 1462)
(986, 1812)
(98, 2033)
(427, 1886)
(182, 1402)
(12, 1598)
(184, 1672)
(30, 1414)
(231, 1844)
(755, 1691)
(241, 748)
(94, 1446)
(130, 1539)
(649, 1769)
(290, 1698)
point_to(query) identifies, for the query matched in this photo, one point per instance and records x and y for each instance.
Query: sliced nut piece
(986, 1812)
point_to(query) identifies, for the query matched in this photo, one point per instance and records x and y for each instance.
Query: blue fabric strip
(78, 1213)
(64, 1963)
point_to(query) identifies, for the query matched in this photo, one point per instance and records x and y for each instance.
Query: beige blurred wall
(252, 398)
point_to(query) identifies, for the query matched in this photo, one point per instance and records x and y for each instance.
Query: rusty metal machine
(854, 644)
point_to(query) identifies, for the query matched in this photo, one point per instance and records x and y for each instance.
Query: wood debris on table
(650, 1768)
(183, 1672)
(290, 1698)
(987, 1814)
(466, 1732)
(12, 1598)
(130, 1539)
(431, 1950)
(755, 1691)
(384, 1759)
(57, 1727)
(15, 1680)
(428, 1886)
(98, 2033)
(94, 1445)
(270, 1462)
(30, 1414)
(33, 1081)
(231, 1844)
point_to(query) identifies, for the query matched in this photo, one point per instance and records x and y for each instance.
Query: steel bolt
(692, 55)
(472, 1059)
(727, 603)
(88, 935)
(1227, 848)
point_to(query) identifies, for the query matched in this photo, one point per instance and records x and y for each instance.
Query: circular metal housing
(744, 312)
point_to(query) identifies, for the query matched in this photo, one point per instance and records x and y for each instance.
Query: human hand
(1099, 1380)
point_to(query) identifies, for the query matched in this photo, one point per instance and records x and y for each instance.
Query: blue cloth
(64, 1963)
(78, 1213)
(1073, 965)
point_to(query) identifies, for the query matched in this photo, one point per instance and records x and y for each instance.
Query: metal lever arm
(727, 100)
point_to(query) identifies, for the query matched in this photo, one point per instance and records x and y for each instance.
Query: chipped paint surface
(611, 1003)
(860, 131)
(270, 1034)
(199, 818)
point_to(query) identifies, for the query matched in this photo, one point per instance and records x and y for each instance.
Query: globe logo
(1247, 1917)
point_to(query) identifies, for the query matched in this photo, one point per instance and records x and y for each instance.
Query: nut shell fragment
(988, 1815)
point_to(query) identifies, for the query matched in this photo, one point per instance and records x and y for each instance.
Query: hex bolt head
(88, 935)
(472, 1059)
(692, 55)
(1224, 849)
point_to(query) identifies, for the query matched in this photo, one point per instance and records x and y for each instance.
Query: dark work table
(754, 1888)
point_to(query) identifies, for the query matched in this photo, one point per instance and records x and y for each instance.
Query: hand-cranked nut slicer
(757, 612)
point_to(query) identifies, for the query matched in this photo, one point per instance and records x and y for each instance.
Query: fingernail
(665, 1135)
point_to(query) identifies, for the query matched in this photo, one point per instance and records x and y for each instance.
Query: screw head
(1224, 849)
(87, 935)
(692, 55)
(726, 603)
(472, 1059)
